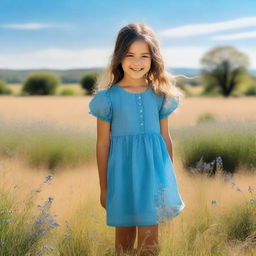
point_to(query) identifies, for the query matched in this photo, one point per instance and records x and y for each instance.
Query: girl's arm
(164, 126)
(102, 151)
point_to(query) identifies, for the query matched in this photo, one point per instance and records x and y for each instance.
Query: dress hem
(149, 223)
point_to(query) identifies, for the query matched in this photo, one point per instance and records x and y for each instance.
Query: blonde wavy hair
(161, 81)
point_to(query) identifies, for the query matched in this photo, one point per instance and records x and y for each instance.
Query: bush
(88, 81)
(251, 90)
(200, 146)
(4, 89)
(67, 91)
(43, 83)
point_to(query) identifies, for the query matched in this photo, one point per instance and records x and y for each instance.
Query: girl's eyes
(132, 56)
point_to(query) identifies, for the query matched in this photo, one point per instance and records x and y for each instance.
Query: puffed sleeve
(167, 109)
(100, 106)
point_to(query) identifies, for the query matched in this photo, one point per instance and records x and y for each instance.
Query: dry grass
(73, 110)
(75, 188)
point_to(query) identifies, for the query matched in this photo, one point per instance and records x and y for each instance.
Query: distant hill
(66, 76)
(75, 75)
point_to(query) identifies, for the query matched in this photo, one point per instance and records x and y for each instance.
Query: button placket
(141, 120)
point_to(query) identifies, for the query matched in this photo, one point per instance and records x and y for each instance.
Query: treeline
(66, 76)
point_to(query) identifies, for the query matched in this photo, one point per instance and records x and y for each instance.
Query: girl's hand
(103, 195)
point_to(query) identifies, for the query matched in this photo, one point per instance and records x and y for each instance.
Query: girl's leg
(125, 238)
(148, 243)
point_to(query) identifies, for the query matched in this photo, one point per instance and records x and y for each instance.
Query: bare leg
(148, 244)
(125, 238)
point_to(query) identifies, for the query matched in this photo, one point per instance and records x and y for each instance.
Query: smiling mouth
(137, 69)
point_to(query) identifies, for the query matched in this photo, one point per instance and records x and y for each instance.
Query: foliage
(223, 67)
(43, 83)
(4, 89)
(88, 82)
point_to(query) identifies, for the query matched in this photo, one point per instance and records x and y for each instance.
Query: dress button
(141, 123)
(139, 97)
(139, 103)
(141, 110)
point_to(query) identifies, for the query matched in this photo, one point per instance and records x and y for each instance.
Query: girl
(134, 98)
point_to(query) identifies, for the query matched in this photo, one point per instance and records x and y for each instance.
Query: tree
(88, 81)
(223, 67)
(41, 83)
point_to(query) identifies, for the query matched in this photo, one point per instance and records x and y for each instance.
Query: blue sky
(65, 34)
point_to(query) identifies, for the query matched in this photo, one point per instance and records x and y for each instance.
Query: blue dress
(141, 182)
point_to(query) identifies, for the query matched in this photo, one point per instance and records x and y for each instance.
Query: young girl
(134, 98)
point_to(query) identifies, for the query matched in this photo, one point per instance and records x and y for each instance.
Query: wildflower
(214, 202)
(47, 178)
(50, 199)
(238, 189)
(10, 211)
(56, 224)
(250, 189)
(253, 201)
(233, 184)
(39, 254)
(8, 221)
(38, 190)
(1, 242)
(38, 222)
(49, 248)
(219, 160)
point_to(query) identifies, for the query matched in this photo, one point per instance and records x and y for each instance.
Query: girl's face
(137, 61)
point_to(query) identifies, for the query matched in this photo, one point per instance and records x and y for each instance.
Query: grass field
(219, 218)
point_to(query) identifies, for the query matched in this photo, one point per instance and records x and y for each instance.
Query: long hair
(161, 81)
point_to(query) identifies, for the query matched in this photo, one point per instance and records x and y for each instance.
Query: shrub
(88, 81)
(251, 90)
(233, 142)
(43, 83)
(4, 89)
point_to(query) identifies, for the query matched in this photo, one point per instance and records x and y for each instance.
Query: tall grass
(44, 145)
(205, 227)
(24, 230)
(234, 142)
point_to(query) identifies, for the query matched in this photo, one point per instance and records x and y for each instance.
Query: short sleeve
(100, 106)
(167, 108)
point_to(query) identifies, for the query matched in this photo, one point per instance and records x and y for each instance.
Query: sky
(70, 34)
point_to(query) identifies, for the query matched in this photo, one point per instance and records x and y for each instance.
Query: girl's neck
(133, 83)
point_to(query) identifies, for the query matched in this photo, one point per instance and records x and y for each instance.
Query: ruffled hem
(100, 117)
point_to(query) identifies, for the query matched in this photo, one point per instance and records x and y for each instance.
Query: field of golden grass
(73, 110)
(75, 188)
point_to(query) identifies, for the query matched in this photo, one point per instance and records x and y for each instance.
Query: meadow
(49, 201)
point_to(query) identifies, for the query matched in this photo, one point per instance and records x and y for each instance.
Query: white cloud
(208, 28)
(250, 34)
(56, 58)
(89, 58)
(183, 56)
(31, 26)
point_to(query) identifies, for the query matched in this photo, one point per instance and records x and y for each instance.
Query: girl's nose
(139, 60)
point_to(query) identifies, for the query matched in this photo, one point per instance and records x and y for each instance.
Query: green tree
(4, 89)
(42, 83)
(223, 69)
(88, 81)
